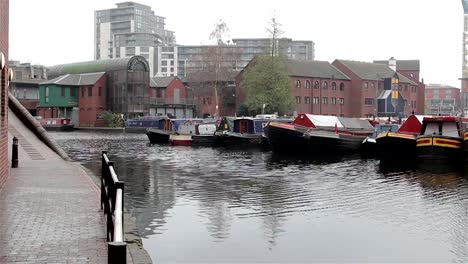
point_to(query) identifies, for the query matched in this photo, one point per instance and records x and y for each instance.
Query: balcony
(170, 101)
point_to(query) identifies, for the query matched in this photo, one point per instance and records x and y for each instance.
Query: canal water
(218, 205)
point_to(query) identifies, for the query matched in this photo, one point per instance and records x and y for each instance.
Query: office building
(131, 29)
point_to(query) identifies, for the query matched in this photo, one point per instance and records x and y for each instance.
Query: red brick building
(203, 84)
(371, 85)
(170, 96)
(80, 97)
(318, 88)
(4, 163)
(442, 100)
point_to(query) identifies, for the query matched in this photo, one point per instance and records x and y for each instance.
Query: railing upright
(112, 202)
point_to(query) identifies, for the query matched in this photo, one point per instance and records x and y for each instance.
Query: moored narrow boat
(369, 144)
(243, 131)
(441, 138)
(338, 135)
(400, 145)
(285, 137)
(161, 133)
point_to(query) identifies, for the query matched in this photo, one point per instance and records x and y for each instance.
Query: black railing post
(117, 252)
(103, 172)
(14, 153)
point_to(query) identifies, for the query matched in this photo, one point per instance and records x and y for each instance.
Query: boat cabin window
(432, 129)
(450, 129)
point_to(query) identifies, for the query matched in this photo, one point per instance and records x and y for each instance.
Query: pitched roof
(161, 82)
(76, 79)
(373, 71)
(403, 65)
(317, 69)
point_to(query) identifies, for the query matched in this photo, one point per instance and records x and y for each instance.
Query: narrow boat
(441, 138)
(245, 131)
(161, 133)
(142, 124)
(369, 144)
(338, 135)
(400, 145)
(194, 133)
(57, 124)
(288, 137)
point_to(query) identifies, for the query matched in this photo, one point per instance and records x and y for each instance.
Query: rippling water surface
(219, 205)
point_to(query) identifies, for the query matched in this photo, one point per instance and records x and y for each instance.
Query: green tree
(267, 82)
(112, 119)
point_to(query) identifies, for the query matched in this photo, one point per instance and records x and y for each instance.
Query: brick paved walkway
(49, 208)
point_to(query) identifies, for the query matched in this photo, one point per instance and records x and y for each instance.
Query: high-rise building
(464, 85)
(131, 29)
(239, 52)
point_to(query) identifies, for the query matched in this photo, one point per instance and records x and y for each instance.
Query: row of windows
(369, 101)
(316, 100)
(317, 85)
(73, 91)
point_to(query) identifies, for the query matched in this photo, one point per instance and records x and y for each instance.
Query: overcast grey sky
(52, 32)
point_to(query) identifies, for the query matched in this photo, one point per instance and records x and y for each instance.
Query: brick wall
(4, 163)
(91, 106)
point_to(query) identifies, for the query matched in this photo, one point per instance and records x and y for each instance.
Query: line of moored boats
(439, 137)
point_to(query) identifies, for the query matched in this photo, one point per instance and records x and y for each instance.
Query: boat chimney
(392, 63)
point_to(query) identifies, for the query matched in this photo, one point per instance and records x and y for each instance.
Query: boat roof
(444, 119)
(332, 121)
(413, 124)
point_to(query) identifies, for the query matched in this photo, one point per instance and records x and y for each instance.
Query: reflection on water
(219, 205)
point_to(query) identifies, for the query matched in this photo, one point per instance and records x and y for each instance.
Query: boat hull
(233, 140)
(330, 142)
(396, 146)
(69, 127)
(286, 137)
(439, 148)
(203, 140)
(158, 136)
(180, 140)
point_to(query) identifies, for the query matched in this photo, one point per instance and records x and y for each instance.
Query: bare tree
(219, 32)
(274, 30)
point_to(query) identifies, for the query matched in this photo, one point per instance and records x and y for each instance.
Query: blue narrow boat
(243, 131)
(141, 125)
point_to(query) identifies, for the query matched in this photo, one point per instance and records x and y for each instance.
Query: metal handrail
(112, 203)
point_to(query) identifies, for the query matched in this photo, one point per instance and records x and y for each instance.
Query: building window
(341, 86)
(324, 100)
(90, 91)
(298, 83)
(307, 84)
(406, 87)
(341, 101)
(100, 91)
(63, 91)
(325, 85)
(365, 85)
(163, 63)
(316, 84)
(333, 85)
(316, 100)
(333, 100)
(307, 100)
(298, 100)
(47, 94)
(73, 91)
(369, 101)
